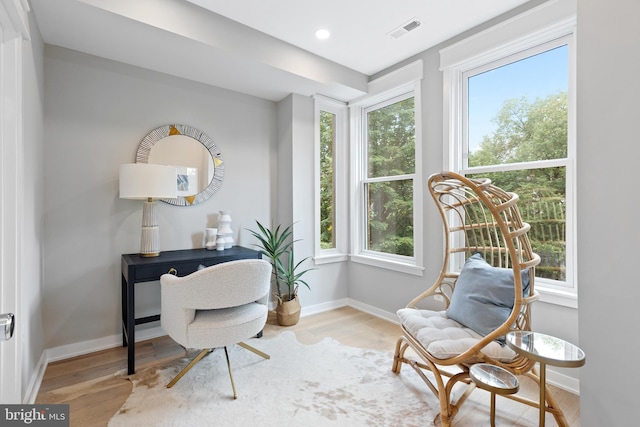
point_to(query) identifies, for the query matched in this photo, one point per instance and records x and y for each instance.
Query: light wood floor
(87, 384)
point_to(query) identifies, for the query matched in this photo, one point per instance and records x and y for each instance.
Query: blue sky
(533, 77)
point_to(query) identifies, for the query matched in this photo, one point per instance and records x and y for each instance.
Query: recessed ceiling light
(322, 34)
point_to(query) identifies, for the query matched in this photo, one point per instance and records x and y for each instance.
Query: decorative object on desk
(224, 228)
(143, 181)
(278, 246)
(326, 384)
(210, 238)
(194, 152)
(220, 243)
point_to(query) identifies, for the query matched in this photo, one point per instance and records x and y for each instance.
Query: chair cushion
(226, 326)
(444, 337)
(483, 296)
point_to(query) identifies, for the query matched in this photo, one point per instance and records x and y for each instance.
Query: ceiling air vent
(405, 28)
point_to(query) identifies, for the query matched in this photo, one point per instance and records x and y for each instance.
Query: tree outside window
(526, 150)
(388, 186)
(327, 180)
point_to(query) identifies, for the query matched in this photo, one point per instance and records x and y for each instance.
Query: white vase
(225, 216)
(210, 235)
(220, 243)
(224, 228)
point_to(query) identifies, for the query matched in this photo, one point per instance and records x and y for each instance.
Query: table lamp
(144, 181)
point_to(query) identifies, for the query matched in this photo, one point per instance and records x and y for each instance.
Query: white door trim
(13, 29)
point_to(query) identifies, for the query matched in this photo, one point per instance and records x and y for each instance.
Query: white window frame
(401, 82)
(340, 163)
(553, 23)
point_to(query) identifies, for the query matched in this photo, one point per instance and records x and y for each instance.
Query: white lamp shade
(144, 181)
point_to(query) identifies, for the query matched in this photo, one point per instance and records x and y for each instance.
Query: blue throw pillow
(483, 297)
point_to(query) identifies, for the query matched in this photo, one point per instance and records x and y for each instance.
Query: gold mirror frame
(147, 143)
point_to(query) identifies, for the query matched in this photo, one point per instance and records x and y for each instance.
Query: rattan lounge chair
(481, 223)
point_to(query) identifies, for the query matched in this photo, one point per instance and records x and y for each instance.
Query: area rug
(324, 384)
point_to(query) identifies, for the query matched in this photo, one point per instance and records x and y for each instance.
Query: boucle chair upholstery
(485, 289)
(216, 307)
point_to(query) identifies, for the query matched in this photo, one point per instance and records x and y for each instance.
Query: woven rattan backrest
(479, 217)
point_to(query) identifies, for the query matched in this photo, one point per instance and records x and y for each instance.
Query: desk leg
(124, 311)
(131, 329)
(543, 387)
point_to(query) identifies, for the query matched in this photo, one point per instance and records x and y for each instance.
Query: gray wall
(328, 282)
(608, 93)
(30, 317)
(96, 112)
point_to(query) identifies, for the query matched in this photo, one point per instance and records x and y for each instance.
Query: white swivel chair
(216, 307)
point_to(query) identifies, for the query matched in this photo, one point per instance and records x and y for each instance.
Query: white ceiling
(265, 48)
(361, 29)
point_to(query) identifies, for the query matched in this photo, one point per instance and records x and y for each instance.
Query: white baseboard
(325, 306)
(85, 347)
(374, 311)
(563, 381)
(555, 378)
(36, 380)
(78, 349)
(91, 346)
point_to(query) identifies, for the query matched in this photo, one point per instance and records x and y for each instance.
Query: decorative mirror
(199, 162)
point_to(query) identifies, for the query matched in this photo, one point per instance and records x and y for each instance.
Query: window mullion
(540, 164)
(389, 178)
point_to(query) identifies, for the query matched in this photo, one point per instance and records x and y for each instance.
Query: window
(511, 115)
(519, 139)
(388, 184)
(327, 180)
(331, 153)
(387, 215)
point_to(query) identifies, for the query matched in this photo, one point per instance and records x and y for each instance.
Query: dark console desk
(136, 269)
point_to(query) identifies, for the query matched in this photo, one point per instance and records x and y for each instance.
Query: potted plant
(277, 245)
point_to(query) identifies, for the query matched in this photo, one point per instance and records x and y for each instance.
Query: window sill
(330, 258)
(557, 296)
(388, 264)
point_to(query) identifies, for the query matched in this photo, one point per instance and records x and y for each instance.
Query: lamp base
(150, 237)
(150, 255)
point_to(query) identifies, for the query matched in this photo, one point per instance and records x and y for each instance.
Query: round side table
(546, 350)
(494, 379)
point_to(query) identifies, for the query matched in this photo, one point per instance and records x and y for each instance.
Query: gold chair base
(189, 366)
(226, 353)
(254, 350)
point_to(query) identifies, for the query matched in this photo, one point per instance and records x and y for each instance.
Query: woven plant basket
(288, 312)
